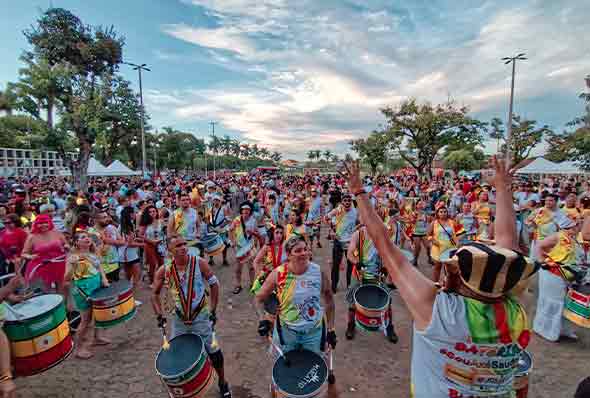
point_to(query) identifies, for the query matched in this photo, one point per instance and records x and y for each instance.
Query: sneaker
(224, 390)
(350, 329)
(391, 336)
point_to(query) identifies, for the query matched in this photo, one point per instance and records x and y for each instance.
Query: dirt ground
(368, 366)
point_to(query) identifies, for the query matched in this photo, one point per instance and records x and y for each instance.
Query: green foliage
(21, 131)
(470, 158)
(372, 150)
(419, 131)
(525, 137)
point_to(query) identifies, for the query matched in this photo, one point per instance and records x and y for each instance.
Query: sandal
(84, 354)
(237, 290)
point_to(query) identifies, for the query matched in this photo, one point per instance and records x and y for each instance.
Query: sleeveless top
(368, 258)
(484, 214)
(421, 224)
(470, 349)
(275, 256)
(468, 223)
(242, 240)
(345, 223)
(299, 298)
(217, 216)
(196, 286)
(185, 223)
(314, 213)
(84, 266)
(291, 230)
(545, 224)
(109, 255)
(272, 213)
(564, 251)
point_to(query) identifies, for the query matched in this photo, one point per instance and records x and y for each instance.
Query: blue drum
(213, 244)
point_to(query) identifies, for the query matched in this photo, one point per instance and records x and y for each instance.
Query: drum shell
(371, 323)
(246, 252)
(213, 245)
(368, 311)
(577, 306)
(41, 341)
(192, 382)
(114, 310)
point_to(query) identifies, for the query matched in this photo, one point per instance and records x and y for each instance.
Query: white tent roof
(117, 168)
(544, 166)
(95, 168)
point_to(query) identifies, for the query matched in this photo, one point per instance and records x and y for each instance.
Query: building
(31, 162)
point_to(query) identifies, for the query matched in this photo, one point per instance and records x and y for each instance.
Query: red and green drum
(577, 305)
(39, 334)
(185, 367)
(113, 305)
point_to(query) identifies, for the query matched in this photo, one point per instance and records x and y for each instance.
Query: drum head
(115, 289)
(525, 363)
(371, 296)
(184, 353)
(447, 254)
(33, 307)
(306, 374)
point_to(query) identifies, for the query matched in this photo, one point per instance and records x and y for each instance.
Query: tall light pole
(512, 60)
(139, 68)
(215, 146)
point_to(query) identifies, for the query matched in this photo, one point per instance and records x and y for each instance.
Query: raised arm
(416, 289)
(505, 222)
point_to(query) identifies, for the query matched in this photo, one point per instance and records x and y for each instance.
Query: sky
(300, 75)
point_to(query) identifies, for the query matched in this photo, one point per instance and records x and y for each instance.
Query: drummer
(313, 217)
(7, 386)
(367, 269)
(192, 314)
(219, 220)
(454, 343)
(185, 222)
(83, 267)
(242, 234)
(299, 285)
(558, 252)
(269, 257)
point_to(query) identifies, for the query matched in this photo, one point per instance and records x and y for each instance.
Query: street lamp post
(139, 68)
(512, 60)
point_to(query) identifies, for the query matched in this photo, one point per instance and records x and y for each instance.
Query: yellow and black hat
(491, 271)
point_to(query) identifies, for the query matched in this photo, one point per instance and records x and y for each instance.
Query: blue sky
(301, 75)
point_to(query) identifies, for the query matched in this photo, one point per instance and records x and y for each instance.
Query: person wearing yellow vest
(85, 273)
(185, 277)
(441, 233)
(571, 210)
(7, 386)
(543, 222)
(558, 252)
(484, 214)
(469, 330)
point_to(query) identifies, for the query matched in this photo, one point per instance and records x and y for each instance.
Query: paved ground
(367, 367)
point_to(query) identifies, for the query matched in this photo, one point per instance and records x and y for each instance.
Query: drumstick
(165, 343)
(331, 377)
(18, 315)
(280, 351)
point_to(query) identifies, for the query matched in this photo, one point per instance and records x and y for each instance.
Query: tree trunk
(50, 106)
(80, 167)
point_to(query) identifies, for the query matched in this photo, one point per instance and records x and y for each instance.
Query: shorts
(309, 340)
(83, 288)
(113, 276)
(201, 326)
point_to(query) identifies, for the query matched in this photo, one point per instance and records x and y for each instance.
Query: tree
(226, 145)
(245, 150)
(372, 150)
(311, 155)
(471, 158)
(573, 144)
(86, 58)
(22, 131)
(276, 156)
(497, 131)
(7, 101)
(419, 131)
(264, 153)
(328, 155)
(525, 137)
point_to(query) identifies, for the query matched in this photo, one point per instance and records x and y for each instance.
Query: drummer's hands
(331, 339)
(161, 322)
(15, 282)
(264, 327)
(213, 318)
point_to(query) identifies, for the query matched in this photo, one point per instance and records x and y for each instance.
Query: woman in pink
(46, 249)
(12, 238)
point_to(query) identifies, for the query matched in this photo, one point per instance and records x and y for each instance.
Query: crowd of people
(484, 238)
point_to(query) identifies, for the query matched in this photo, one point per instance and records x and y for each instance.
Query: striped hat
(491, 271)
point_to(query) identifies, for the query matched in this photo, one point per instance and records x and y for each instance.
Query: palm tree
(328, 155)
(235, 148)
(245, 150)
(311, 155)
(225, 145)
(255, 151)
(215, 144)
(7, 101)
(276, 156)
(264, 153)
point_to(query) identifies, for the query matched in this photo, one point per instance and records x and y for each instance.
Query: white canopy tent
(117, 168)
(544, 166)
(95, 168)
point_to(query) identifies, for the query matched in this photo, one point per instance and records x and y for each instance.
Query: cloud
(316, 73)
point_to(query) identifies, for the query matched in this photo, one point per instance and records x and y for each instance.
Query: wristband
(212, 280)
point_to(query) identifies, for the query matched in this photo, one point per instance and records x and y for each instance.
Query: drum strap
(323, 338)
(186, 301)
(447, 232)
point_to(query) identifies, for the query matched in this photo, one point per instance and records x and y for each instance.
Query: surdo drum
(371, 304)
(303, 374)
(39, 334)
(213, 244)
(521, 378)
(185, 367)
(577, 305)
(113, 305)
